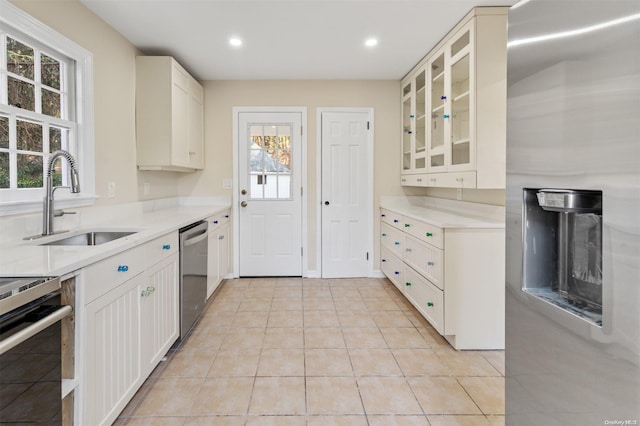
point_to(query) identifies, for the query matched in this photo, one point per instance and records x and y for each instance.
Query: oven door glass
(30, 376)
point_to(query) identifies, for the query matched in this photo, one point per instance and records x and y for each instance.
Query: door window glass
(270, 161)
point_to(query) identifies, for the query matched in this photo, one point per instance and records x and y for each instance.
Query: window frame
(80, 96)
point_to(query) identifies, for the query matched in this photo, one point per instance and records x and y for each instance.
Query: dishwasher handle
(28, 332)
(196, 238)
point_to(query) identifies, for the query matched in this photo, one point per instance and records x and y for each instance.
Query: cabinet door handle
(430, 304)
(443, 97)
(445, 116)
(123, 268)
(429, 234)
(406, 225)
(166, 247)
(221, 237)
(430, 263)
(408, 249)
(408, 284)
(397, 243)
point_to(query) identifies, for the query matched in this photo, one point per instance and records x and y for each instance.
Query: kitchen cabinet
(159, 312)
(453, 276)
(219, 249)
(131, 316)
(454, 107)
(169, 116)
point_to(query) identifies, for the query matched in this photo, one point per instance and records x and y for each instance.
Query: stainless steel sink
(89, 238)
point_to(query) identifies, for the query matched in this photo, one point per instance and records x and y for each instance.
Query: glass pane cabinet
(454, 107)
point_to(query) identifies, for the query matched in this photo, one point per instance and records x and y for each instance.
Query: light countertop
(29, 259)
(446, 213)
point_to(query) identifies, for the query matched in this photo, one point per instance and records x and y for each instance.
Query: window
(45, 105)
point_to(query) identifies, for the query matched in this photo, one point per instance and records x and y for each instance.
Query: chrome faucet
(47, 207)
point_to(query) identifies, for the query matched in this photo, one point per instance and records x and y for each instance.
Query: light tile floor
(293, 351)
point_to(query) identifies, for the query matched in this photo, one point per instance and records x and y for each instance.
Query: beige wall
(222, 96)
(114, 98)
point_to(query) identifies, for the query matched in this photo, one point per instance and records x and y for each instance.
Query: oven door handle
(15, 339)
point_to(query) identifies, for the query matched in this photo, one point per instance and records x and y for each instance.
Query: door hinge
(367, 255)
(301, 251)
(301, 131)
(367, 125)
(300, 191)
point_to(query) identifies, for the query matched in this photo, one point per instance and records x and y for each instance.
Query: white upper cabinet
(169, 116)
(454, 107)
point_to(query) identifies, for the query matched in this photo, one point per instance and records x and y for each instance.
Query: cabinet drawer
(425, 259)
(104, 276)
(219, 219)
(426, 297)
(452, 180)
(424, 231)
(393, 268)
(421, 179)
(392, 218)
(160, 248)
(392, 239)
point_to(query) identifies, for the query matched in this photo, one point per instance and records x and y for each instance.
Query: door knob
(326, 203)
(243, 192)
(243, 204)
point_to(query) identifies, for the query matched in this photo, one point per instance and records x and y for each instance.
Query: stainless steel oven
(30, 351)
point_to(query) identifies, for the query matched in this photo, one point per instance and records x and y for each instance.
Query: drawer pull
(408, 284)
(408, 249)
(226, 216)
(384, 260)
(166, 247)
(430, 304)
(406, 225)
(430, 263)
(123, 268)
(429, 234)
(221, 237)
(383, 215)
(396, 273)
(397, 243)
(384, 235)
(395, 220)
(215, 222)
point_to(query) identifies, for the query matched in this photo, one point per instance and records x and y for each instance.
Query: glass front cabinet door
(454, 107)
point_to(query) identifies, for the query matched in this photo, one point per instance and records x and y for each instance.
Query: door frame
(235, 203)
(370, 178)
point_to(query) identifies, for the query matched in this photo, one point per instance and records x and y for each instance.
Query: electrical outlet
(111, 190)
(146, 188)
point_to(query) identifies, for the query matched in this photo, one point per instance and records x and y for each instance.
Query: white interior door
(347, 186)
(270, 213)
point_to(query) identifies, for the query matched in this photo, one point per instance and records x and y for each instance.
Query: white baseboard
(312, 274)
(377, 273)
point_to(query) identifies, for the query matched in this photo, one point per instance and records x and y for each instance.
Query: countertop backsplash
(16, 227)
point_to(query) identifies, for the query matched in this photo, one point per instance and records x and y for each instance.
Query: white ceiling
(287, 39)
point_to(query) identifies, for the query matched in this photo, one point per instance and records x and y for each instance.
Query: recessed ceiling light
(235, 42)
(371, 42)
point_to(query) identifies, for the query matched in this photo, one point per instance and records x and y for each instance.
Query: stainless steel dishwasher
(193, 274)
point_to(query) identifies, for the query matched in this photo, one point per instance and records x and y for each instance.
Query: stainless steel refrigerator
(573, 213)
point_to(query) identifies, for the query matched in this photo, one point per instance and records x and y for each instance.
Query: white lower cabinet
(112, 352)
(219, 249)
(159, 320)
(453, 276)
(130, 321)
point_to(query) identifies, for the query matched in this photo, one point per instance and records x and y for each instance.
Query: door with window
(269, 184)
